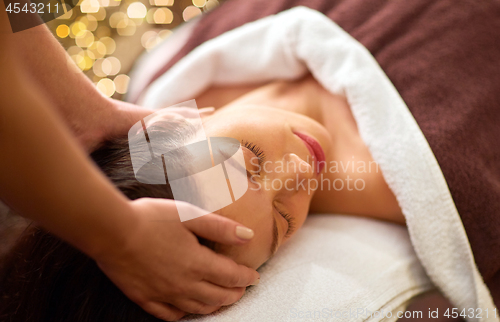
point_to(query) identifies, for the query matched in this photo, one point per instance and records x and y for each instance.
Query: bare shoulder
(218, 96)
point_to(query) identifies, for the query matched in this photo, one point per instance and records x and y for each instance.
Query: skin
(262, 202)
(268, 115)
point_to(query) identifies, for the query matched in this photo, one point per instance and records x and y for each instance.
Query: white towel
(288, 44)
(336, 268)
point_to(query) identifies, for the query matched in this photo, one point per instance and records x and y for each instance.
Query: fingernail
(244, 233)
(257, 281)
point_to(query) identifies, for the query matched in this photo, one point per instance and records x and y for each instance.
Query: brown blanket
(444, 59)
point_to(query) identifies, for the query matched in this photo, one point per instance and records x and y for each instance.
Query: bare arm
(42, 163)
(91, 116)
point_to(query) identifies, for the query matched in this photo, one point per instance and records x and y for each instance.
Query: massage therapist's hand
(165, 270)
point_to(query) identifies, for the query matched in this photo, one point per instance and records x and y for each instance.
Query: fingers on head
(224, 272)
(163, 311)
(215, 295)
(216, 228)
(195, 307)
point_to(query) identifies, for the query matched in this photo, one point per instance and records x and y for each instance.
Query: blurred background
(104, 37)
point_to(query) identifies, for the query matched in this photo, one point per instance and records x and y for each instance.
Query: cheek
(249, 209)
(253, 211)
(252, 255)
(301, 204)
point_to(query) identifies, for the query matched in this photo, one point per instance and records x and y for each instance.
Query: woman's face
(280, 170)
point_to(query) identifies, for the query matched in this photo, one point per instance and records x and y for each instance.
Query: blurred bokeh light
(104, 37)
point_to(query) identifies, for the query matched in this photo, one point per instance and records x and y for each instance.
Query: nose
(294, 169)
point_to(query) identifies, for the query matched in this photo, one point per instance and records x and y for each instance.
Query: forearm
(46, 177)
(70, 91)
(91, 116)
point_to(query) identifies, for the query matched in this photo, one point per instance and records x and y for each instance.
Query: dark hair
(46, 279)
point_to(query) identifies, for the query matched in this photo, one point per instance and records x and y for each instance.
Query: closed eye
(290, 221)
(258, 152)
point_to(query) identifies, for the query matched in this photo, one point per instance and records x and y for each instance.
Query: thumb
(219, 229)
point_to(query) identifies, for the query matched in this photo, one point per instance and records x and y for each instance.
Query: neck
(352, 180)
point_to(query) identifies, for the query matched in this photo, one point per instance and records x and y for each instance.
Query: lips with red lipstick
(315, 149)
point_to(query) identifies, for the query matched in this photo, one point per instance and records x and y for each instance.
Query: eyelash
(256, 150)
(291, 223)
